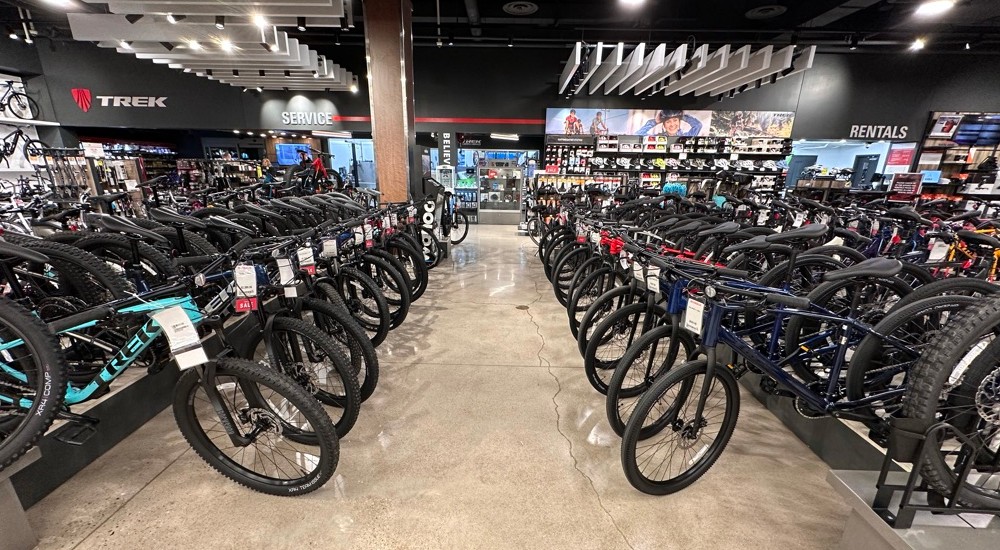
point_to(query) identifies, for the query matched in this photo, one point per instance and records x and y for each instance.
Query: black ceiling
(879, 25)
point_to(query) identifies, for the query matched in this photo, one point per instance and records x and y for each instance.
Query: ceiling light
(133, 17)
(220, 22)
(261, 73)
(282, 133)
(236, 131)
(336, 38)
(173, 19)
(249, 133)
(226, 45)
(194, 45)
(58, 3)
(301, 24)
(354, 88)
(633, 3)
(918, 44)
(505, 137)
(125, 44)
(28, 40)
(12, 34)
(931, 8)
(270, 131)
(510, 42)
(853, 42)
(236, 72)
(274, 48)
(259, 89)
(260, 21)
(245, 91)
(968, 46)
(315, 74)
(451, 40)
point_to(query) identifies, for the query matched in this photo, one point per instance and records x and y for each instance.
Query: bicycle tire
(604, 305)
(366, 303)
(394, 286)
(338, 323)
(41, 363)
(587, 292)
(413, 262)
(622, 398)
(323, 355)
(22, 106)
(461, 225)
(116, 250)
(607, 347)
(246, 376)
(960, 286)
(705, 456)
(566, 266)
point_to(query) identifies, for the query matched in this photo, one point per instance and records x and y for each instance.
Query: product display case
(500, 190)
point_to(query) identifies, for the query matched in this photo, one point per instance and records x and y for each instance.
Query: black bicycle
(33, 149)
(18, 103)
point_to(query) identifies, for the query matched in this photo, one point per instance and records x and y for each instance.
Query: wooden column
(389, 45)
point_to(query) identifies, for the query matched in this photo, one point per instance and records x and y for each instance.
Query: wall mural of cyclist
(668, 122)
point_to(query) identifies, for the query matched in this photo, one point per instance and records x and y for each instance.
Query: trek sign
(84, 100)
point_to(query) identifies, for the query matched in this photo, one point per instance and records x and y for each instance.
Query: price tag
(411, 211)
(246, 288)
(595, 237)
(694, 316)
(682, 156)
(637, 271)
(306, 260)
(653, 279)
(875, 228)
(369, 235)
(824, 218)
(741, 209)
(286, 275)
(329, 248)
(393, 219)
(800, 217)
(853, 225)
(939, 249)
(762, 217)
(625, 259)
(185, 345)
(386, 224)
(359, 235)
(734, 156)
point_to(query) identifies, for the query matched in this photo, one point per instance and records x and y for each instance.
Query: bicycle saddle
(685, 228)
(280, 204)
(881, 268)
(799, 235)
(262, 212)
(167, 216)
(815, 205)
(218, 222)
(971, 237)
(907, 215)
(117, 224)
(727, 228)
(851, 236)
(962, 217)
(109, 197)
(304, 205)
(670, 222)
(759, 242)
(8, 250)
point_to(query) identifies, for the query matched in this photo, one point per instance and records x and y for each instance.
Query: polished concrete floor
(483, 433)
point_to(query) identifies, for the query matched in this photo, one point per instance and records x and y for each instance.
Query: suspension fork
(206, 374)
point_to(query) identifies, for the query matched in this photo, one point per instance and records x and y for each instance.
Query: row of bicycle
(274, 329)
(671, 304)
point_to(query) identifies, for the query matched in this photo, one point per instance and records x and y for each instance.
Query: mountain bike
(33, 149)
(18, 103)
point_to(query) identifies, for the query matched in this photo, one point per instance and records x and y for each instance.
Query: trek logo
(84, 101)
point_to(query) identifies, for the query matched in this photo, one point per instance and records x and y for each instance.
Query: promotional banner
(667, 122)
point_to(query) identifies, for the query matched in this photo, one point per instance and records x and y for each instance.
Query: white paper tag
(800, 217)
(637, 271)
(595, 237)
(694, 315)
(875, 228)
(329, 248)
(185, 345)
(306, 260)
(246, 287)
(939, 249)
(393, 219)
(762, 217)
(359, 235)
(286, 275)
(412, 211)
(824, 218)
(653, 279)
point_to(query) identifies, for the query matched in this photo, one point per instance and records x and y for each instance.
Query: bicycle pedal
(78, 432)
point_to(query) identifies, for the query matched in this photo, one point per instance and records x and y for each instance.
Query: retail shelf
(22, 122)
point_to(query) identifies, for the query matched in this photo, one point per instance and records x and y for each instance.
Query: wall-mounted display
(667, 122)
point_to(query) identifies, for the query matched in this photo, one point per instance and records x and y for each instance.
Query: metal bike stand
(17, 532)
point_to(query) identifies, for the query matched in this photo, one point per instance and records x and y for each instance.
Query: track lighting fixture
(853, 42)
(173, 19)
(260, 72)
(336, 38)
(259, 89)
(220, 22)
(510, 42)
(133, 17)
(167, 46)
(12, 33)
(918, 44)
(245, 91)
(236, 72)
(301, 21)
(226, 45)
(266, 46)
(28, 39)
(126, 44)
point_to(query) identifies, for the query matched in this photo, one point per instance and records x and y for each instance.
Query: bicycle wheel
(957, 286)
(593, 286)
(668, 410)
(393, 285)
(570, 260)
(459, 228)
(534, 230)
(22, 106)
(116, 251)
(957, 381)
(643, 362)
(307, 355)
(604, 305)
(613, 337)
(34, 150)
(366, 303)
(413, 262)
(271, 414)
(33, 372)
(337, 322)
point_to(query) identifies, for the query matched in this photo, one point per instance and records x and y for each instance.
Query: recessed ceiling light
(510, 42)
(260, 21)
(931, 8)
(633, 3)
(270, 131)
(226, 45)
(918, 44)
(12, 34)
(236, 131)
(125, 44)
(259, 89)
(354, 88)
(249, 133)
(194, 45)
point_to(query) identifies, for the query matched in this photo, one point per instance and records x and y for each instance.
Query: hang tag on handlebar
(359, 236)
(246, 288)
(185, 344)
(694, 316)
(306, 260)
(637, 271)
(762, 217)
(286, 275)
(369, 235)
(653, 279)
(824, 218)
(800, 218)
(939, 249)
(329, 248)
(393, 219)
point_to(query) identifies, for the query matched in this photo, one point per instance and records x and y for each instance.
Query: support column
(389, 45)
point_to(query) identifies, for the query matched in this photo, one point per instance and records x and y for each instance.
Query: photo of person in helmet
(668, 122)
(572, 125)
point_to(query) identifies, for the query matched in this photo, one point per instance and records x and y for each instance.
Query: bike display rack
(910, 446)
(17, 532)
(65, 169)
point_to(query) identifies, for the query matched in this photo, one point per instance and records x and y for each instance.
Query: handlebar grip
(734, 273)
(194, 260)
(243, 243)
(791, 301)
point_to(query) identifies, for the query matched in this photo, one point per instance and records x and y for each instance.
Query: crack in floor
(576, 463)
